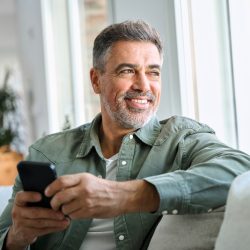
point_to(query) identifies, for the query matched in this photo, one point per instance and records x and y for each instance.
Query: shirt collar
(147, 134)
(91, 139)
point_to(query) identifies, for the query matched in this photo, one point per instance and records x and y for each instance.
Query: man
(120, 173)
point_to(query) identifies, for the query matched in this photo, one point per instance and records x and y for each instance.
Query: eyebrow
(134, 66)
(154, 66)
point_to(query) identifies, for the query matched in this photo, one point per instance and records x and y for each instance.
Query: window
(207, 66)
(69, 30)
(59, 73)
(240, 40)
(93, 18)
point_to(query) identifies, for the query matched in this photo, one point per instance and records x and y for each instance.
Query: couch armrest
(187, 232)
(234, 232)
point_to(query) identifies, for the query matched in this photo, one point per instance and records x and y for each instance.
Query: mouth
(139, 101)
(136, 103)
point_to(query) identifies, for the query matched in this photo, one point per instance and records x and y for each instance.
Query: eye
(154, 74)
(126, 71)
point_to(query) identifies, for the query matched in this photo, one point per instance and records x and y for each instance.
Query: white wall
(8, 37)
(239, 20)
(9, 59)
(32, 59)
(21, 49)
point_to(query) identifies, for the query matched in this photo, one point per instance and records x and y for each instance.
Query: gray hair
(125, 31)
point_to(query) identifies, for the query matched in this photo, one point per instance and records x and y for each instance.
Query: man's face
(130, 85)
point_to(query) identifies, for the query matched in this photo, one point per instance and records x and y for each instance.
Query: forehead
(134, 52)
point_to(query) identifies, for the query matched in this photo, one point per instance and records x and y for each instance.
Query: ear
(95, 80)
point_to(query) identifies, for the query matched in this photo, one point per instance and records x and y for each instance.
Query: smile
(141, 101)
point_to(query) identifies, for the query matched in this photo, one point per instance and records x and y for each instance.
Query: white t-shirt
(101, 232)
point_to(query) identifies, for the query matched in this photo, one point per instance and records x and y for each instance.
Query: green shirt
(190, 168)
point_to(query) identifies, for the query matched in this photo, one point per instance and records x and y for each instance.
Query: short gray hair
(126, 31)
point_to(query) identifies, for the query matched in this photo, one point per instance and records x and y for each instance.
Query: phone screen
(36, 176)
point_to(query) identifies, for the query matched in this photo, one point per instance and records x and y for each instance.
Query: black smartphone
(36, 176)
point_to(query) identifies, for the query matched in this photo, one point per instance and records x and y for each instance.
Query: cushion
(187, 232)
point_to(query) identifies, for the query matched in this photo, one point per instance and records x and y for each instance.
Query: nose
(141, 83)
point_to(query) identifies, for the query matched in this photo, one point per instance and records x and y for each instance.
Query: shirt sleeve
(206, 170)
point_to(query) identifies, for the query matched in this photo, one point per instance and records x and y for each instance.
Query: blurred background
(45, 57)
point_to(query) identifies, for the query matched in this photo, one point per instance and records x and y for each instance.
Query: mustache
(134, 94)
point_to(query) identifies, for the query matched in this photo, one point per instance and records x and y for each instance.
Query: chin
(129, 122)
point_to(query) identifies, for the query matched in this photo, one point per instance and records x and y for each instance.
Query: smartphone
(36, 176)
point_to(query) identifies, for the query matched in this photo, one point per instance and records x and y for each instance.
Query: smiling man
(120, 173)
(129, 86)
(130, 83)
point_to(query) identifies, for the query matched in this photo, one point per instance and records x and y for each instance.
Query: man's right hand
(28, 223)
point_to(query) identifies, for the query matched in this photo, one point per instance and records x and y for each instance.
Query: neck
(111, 138)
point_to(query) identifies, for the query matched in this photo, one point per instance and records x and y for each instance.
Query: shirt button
(131, 137)
(121, 237)
(124, 163)
(165, 212)
(99, 176)
(175, 211)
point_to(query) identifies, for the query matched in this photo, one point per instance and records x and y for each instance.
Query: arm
(207, 168)
(86, 196)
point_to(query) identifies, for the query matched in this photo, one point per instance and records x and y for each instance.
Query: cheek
(156, 90)
(109, 95)
(115, 90)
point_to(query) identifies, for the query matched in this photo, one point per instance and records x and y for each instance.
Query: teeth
(140, 101)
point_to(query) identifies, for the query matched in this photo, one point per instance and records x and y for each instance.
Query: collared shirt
(190, 168)
(101, 234)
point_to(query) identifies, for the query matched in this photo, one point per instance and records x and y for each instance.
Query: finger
(63, 197)
(42, 213)
(71, 207)
(30, 234)
(22, 197)
(61, 183)
(43, 231)
(35, 224)
(78, 214)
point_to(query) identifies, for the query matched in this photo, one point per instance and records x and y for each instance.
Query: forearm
(86, 196)
(199, 189)
(139, 195)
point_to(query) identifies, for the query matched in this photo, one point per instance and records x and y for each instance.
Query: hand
(86, 196)
(32, 222)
